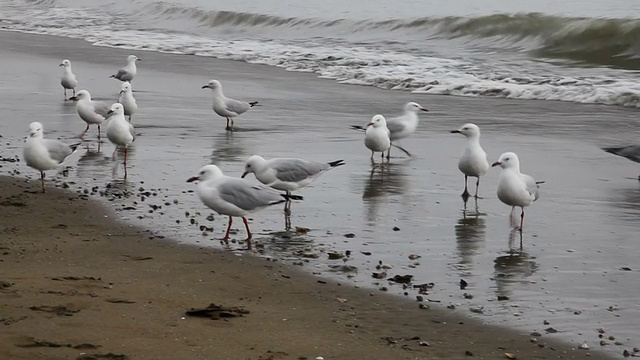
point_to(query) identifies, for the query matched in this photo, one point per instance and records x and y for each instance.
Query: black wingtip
(336, 163)
(75, 146)
(612, 150)
(292, 197)
(254, 103)
(112, 76)
(357, 127)
(540, 182)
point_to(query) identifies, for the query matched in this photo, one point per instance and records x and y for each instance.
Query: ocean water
(576, 51)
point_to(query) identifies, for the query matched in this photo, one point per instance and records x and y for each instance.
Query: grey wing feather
(395, 125)
(122, 72)
(295, 170)
(101, 108)
(58, 150)
(247, 196)
(631, 152)
(236, 106)
(532, 186)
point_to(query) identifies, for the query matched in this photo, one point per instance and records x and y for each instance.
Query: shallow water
(577, 239)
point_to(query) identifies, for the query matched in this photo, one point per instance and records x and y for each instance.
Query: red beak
(496, 163)
(193, 178)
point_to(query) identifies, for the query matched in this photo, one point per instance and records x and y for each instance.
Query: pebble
(423, 306)
(467, 296)
(583, 346)
(423, 343)
(414, 256)
(545, 322)
(477, 309)
(510, 355)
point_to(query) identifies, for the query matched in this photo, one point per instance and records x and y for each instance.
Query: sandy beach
(99, 272)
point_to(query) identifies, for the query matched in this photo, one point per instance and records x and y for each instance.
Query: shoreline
(102, 283)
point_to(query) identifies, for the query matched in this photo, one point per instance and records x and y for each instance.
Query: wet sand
(178, 133)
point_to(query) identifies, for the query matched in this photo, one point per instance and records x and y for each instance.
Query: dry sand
(76, 282)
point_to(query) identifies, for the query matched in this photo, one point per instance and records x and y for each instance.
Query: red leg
(522, 219)
(98, 131)
(249, 235)
(84, 132)
(226, 235)
(42, 181)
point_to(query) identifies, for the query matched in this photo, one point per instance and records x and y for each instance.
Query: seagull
(128, 72)
(473, 161)
(68, 80)
(515, 188)
(92, 112)
(120, 132)
(287, 174)
(401, 126)
(232, 196)
(45, 154)
(376, 136)
(226, 107)
(127, 100)
(631, 152)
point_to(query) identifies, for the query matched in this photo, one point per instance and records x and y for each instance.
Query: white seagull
(68, 80)
(226, 107)
(473, 162)
(91, 112)
(128, 72)
(127, 100)
(45, 154)
(401, 126)
(376, 136)
(514, 187)
(234, 197)
(120, 132)
(286, 174)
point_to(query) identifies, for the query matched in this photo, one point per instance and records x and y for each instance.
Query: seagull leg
(74, 92)
(249, 235)
(65, 93)
(228, 127)
(388, 153)
(521, 219)
(125, 162)
(98, 131)
(477, 186)
(226, 235)
(511, 218)
(42, 181)
(129, 118)
(84, 132)
(465, 193)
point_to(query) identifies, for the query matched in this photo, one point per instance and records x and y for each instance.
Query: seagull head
(117, 109)
(507, 160)
(207, 172)
(126, 86)
(468, 130)
(35, 130)
(213, 85)
(65, 63)
(253, 164)
(132, 59)
(413, 107)
(81, 95)
(377, 121)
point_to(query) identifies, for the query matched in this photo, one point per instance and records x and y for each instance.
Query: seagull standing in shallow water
(401, 126)
(120, 132)
(515, 188)
(226, 107)
(231, 196)
(376, 137)
(127, 100)
(45, 154)
(128, 72)
(473, 161)
(68, 80)
(91, 112)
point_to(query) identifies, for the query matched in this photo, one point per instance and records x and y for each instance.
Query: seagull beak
(423, 109)
(32, 134)
(121, 91)
(193, 178)
(73, 98)
(497, 163)
(244, 174)
(61, 65)
(206, 86)
(369, 124)
(109, 112)
(456, 132)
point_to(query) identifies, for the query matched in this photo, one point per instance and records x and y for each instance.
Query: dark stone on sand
(107, 356)
(468, 353)
(379, 275)
(60, 310)
(402, 279)
(626, 353)
(334, 255)
(75, 278)
(5, 284)
(120, 301)
(535, 334)
(216, 312)
(395, 228)
(502, 298)
(625, 268)
(365, 253)
(463, 284)
(350, 235)
(467, 296)
(550, 330)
